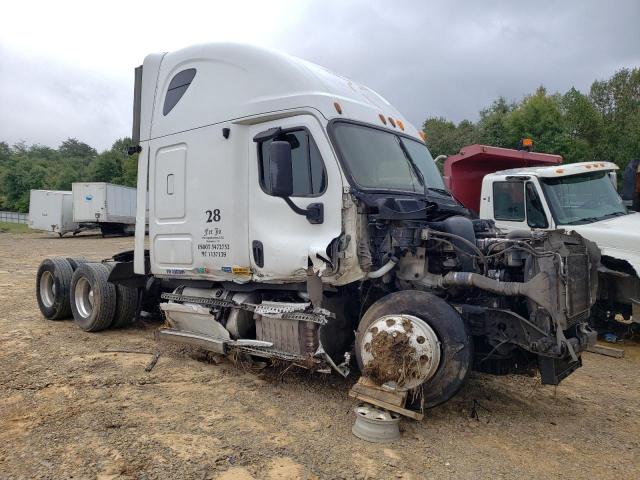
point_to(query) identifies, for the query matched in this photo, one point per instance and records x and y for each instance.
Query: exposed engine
(525, 297)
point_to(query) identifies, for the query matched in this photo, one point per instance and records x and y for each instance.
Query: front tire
(455, 356)
(93, 298)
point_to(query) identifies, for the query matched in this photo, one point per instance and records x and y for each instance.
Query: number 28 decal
(213, 216)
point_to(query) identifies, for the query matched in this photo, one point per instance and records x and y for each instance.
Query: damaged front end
(525, 298)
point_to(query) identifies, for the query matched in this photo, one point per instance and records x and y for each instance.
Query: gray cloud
(43, 101)
(454, 58)
(428, 58)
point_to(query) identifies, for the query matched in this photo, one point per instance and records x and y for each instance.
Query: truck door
(284, 243)
(517, 205)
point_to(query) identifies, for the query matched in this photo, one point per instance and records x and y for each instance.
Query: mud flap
(554, 370)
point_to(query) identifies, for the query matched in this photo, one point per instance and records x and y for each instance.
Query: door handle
(258, 253)
(170, 183)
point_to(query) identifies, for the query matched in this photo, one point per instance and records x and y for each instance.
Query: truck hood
(617, 237)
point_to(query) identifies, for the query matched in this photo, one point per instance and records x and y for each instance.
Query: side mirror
(280, 169)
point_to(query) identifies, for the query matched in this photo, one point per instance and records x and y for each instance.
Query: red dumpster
(463, 172)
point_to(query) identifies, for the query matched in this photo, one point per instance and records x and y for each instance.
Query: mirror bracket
(314, 212)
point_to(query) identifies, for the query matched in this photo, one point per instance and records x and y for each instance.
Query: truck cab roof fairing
(237, 81)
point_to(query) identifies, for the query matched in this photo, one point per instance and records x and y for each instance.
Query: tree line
(26, 167)
(601, 125)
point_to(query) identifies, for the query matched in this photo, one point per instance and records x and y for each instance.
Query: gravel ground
(69, 408)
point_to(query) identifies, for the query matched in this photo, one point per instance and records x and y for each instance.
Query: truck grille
(578, 284)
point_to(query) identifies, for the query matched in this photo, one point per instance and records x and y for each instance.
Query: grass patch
(6, 227)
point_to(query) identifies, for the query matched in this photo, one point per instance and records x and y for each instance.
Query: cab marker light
(400, 124)
(423, 136)
(382, 119)
(392, 122)
(559, 170)
(338, 107)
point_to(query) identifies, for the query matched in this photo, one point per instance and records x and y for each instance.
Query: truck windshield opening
(585, 198)
(381, 160)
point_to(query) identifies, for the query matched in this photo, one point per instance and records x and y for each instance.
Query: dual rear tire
(74, 286)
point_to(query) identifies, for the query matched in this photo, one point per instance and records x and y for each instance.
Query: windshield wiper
(597, 219)
(584, 220)
(440, 190)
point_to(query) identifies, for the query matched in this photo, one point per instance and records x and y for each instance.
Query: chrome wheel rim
(423, 341)
(47, 289)
(83, 296)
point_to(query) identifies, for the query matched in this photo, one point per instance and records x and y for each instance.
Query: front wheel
(412, 339)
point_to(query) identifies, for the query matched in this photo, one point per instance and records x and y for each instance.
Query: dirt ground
(71, 409)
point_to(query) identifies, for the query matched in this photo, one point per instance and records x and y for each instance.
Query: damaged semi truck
(296, 215)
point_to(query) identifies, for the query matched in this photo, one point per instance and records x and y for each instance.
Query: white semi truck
(543, 194)
(296, 215)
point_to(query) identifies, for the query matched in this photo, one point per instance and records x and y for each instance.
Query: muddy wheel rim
(47, 289)
(424, 346)
(83, 296)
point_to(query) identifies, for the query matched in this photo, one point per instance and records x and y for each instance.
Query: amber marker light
(382, 119)
(423, 136)
(392, 122)
(400, 124)
(559, 170)
(337, 107)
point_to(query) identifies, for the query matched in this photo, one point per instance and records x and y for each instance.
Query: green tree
(492, 125)
(73, 148)
(18, 182)
(538, 117)
(106, 168)
(446, 138)
(618, 101)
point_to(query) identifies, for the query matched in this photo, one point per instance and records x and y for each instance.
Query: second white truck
(579, 197)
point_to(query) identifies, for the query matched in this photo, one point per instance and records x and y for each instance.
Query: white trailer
(290, 207)
(51, 210)
(112, 208)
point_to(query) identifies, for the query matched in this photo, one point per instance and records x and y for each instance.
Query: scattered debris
(138, 352)
(608, 351)
(153, 361)
(366, 390)
(474, 409)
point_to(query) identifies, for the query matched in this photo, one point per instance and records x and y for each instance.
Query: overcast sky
(66, 67)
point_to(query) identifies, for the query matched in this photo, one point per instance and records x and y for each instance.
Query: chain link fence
(14, 217)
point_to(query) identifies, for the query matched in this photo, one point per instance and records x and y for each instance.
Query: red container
(463, 173)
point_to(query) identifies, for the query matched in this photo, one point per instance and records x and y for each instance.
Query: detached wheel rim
(47, 289)
(83, 297)
(402, 351)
